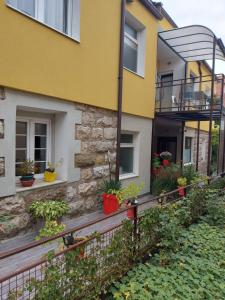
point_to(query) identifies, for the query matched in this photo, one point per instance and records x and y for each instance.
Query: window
(33, 142)
(188, 150)
(62, 15)
(130, 48)
(127, 154)
(134, 45)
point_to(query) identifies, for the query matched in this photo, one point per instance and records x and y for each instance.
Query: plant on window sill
(50, 174)
(27, 170)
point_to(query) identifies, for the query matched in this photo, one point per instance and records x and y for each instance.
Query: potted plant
(27, 170)
(110, 194)
(182, 182)
(50, 173)
(166, 158)
(130, 193)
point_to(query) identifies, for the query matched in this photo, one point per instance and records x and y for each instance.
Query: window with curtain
(127, 153)
(130, 48)
(62, 15)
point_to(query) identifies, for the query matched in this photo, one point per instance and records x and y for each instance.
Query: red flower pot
(130, 213)
(165, 162)
(110, 203)
(27, 183)
(181, 191)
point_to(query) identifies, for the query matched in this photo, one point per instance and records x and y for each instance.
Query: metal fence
(77, 268)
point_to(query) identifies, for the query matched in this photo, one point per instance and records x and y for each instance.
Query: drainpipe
(120, 87)
(198, 130)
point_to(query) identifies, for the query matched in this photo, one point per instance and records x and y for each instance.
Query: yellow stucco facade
(38, 59)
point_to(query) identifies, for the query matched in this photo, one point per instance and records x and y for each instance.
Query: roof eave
(151, 7)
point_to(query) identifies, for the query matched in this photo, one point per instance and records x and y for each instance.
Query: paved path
(23, 259)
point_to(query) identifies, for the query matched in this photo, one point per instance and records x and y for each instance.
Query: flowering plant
(166, 155)
(156, 160)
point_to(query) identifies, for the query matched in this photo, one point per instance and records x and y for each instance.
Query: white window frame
(133, 145)
(74, 29)
(131, 21)
(30, 138)
(191, 160)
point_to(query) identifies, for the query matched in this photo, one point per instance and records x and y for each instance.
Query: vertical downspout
(211, 108)
(222, 96)
(120, 88)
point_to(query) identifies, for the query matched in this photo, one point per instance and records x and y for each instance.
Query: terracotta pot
(110, 203)
(181, 191)
(165, 162)
(27, 183)
(130, 212)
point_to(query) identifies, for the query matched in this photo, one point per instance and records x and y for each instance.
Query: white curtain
(54, 14)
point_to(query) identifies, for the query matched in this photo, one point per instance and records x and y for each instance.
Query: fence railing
(78, 267)
(190, 94)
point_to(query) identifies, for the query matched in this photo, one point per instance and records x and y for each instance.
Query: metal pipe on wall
(120, 87)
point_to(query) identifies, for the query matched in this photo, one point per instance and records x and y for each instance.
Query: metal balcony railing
(190, 94)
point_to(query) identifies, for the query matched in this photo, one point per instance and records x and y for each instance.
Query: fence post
(135, 229)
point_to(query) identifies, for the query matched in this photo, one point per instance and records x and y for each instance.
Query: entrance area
(168, 144)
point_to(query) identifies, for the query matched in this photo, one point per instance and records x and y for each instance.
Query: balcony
(190, 99)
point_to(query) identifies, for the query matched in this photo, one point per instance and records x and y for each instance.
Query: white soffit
(193, 43)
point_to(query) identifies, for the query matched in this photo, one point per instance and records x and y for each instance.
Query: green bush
(189, 173)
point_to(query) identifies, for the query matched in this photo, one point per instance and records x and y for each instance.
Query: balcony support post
(197, 151)
(223, 121)
(182, 145)
(211, 108)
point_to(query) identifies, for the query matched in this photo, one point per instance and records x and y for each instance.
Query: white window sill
(128, 176)
(188, 164)
(37, 185)
(135, 73)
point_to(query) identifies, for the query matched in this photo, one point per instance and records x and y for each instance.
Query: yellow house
(60, 83)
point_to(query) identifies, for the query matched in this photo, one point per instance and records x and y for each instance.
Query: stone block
(12, 205)
(2, 166)
(105, 121)
(97, 133)
(86, 174)
(110, 133)
(76, 207)
(88, 119)
(100, 159)
(84, 160)
(88, 188)
(1, 128)
(100, 172)
(83, 132)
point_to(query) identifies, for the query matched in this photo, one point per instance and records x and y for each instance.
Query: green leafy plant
(189, 173)
(110, 185)
(26, 168)
(50, 211)
(182, 181)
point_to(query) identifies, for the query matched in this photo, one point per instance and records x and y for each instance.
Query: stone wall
(203, 148)
(97, 134)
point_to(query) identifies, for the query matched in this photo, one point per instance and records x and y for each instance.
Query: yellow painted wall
(139, 92)
(37, 59)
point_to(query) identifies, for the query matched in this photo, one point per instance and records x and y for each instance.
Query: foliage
(166, 181)
(190, 173)
(132, 191)
(195, 272)
(110, 185)
(156, 162)
(51, 166)
(182, 181)
(26, 168)
(50, 211)
(218, 183)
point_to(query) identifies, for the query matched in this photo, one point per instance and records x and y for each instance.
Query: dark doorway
(167, 144)
(166, 90)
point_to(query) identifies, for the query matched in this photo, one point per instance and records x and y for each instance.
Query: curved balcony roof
(193, 43)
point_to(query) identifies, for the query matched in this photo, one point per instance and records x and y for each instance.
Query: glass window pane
(21, 127)
(21, 141)
(25, 6)
(56, 14)
(126, 138)
(40, 129)
(131, 31)
(130, 57)
(40, 167)
(40, 155)
(187, 155)
(21, 155)
(126, 160)
(40, 142)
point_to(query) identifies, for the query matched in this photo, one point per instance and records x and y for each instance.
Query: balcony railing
(191, 94)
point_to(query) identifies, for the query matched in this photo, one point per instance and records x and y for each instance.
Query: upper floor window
(134, 45)
(188, 150)
(62, 15)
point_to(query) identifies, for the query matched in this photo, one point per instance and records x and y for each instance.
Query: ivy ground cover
(196, 271)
